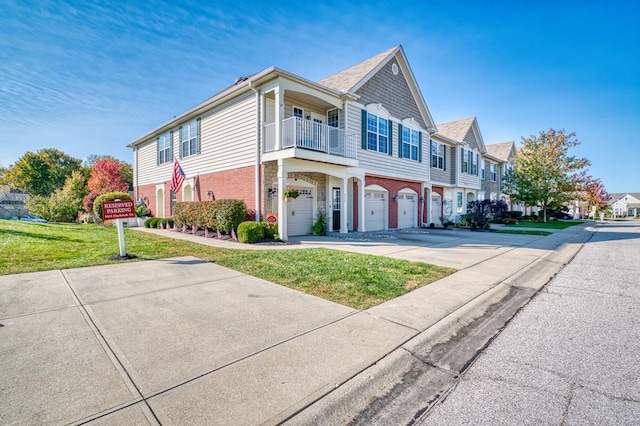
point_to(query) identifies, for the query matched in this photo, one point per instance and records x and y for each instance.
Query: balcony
(313, 136)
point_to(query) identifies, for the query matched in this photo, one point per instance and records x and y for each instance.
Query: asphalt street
(571, 356)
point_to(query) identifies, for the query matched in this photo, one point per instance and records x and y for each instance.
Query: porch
(310, 135)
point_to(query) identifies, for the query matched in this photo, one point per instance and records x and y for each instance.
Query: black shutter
(364, 129)
(198, 136)
(400, 140)
(390, 137)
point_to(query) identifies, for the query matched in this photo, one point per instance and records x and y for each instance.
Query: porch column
(344, 210)
(361, 206)
(279, 116)
(282, 204)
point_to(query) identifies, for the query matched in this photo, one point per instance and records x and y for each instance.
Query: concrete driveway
(183, 341)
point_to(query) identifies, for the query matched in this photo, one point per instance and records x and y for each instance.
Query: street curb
(403, 386)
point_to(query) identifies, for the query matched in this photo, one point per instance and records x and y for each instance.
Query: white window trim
(409, 124)
(379, 111)
(440, 157)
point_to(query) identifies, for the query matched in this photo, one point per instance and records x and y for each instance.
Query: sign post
(119, 210)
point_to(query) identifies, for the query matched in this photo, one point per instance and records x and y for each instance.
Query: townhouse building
(359, 146)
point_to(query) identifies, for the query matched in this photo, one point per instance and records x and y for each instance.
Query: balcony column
(279, 116)
(282, 204)
(361, 209)
(344, 208)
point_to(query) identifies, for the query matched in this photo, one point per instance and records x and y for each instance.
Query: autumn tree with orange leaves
(595, 195)
(106, 176)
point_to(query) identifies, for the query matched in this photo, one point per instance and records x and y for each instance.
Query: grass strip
(555, 224)
(524, 232)
(352, 279)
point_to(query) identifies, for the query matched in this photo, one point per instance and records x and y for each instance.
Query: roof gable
(504, 150)
(465, 131)
(358, 78)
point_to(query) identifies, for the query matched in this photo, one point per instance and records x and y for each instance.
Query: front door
(336, 209)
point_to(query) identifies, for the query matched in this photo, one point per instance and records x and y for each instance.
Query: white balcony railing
(307, 134)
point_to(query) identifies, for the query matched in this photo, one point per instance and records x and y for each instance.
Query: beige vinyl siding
(227, 141)
(307, 107)
(148, 171)
(380, 164)
(443, 176)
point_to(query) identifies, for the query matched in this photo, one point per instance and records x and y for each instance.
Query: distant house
(625, 204)
(12, 203)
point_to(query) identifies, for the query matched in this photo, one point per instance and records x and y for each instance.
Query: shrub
(147, 223)
(229, 214)
(223, 215)
(320, 226)
(270, 232)
(109, 196)
(180, 213)
(153, 222)
(514, 214)
(480, 213)
(142, 210)
(250, 232)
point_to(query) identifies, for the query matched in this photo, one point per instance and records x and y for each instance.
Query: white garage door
(374, 208)
(407, 210)
(300, 214)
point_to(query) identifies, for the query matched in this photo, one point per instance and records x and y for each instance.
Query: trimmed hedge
(109, 196)
(250, 232)
(223, 215)
(514, 214)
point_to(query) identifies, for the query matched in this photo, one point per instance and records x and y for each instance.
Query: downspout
(135, 162)
(257, 165)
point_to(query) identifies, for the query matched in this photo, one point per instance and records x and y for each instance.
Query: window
(465, 161)
(165, 153)
(410, 143)
(333, 118)
(492, 172)
(377, 133)
(190, 138)
(474, 164)
(482, 162)
(298, 112)
(437, 155)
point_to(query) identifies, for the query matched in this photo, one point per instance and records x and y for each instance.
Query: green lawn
(351, 279)
(554, 224)
(524, 232)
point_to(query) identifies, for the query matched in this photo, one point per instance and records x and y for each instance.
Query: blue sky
(90, 77)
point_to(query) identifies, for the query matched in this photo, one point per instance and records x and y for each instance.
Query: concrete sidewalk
(189, 342)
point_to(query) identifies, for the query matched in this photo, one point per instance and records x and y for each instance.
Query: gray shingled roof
(501, 150)
(456, 130)
(348, 78)
(617, 195)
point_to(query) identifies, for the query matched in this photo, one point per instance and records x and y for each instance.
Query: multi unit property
(359, 146)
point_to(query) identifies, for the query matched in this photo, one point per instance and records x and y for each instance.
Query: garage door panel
(300, 214)
(407, 210)
(375, 204)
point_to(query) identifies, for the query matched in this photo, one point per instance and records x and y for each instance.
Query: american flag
(177, 178)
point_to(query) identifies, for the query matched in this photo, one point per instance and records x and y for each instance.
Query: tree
(63, 205)
(41, 173)
(481, 212)
(595, 195)
(544, 173)
(106, 176)
(125, 168)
